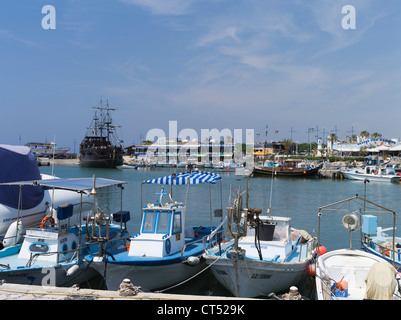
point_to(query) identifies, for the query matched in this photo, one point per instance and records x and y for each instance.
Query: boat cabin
(274, 236)
(162, 231)
(380, 171)
(52, 242)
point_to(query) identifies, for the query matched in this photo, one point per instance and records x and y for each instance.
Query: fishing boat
(351, 274)
(128, 166)
(376, 240)
(29, 203)
(289, 168)
(227, 166)
(165, 252)
(52, 253)
(46, 149)
(265, 255)
(372, 173)
(101, 148)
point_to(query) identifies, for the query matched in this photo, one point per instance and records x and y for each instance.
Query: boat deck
(195, 249)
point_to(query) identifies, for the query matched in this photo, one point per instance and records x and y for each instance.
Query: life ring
(46, 220)
(375, 172)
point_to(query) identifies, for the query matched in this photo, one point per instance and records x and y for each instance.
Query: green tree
(364, 134)
(376, 135)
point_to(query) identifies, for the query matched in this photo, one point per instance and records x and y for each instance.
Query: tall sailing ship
(101, 147)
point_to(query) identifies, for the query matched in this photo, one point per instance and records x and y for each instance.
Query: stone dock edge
(11, 291)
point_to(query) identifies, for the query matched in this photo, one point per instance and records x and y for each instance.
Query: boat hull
(107, 160)
(49, 275)
(279, 171)
(253, 278)
(371, 177)
(148, 277)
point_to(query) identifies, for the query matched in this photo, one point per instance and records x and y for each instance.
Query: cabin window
(163, 224)
(149, 222)
(38, 248)
(177, 223)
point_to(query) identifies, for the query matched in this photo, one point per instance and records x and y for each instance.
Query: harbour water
(297, 198)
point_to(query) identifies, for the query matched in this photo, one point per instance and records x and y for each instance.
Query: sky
(290, 65)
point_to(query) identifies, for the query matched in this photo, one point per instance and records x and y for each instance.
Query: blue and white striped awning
(194, 177)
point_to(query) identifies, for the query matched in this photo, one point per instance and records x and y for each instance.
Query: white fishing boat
(52, 254)
(127, 166)
(40, 149)
(372, 173)
(377, 241)
(29, 204)
(227, 166)
(165, 252)
(264, 257)
(353, 274)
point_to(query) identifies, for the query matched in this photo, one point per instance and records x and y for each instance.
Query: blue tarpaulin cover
(193, 177)
(18, 163)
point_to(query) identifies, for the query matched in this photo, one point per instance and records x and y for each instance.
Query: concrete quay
(57, 162)
(11, 291)
(330, 173)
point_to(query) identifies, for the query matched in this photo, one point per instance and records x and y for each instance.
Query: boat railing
(309, 247)
(208, 240)
(114, 242)
(386, 252)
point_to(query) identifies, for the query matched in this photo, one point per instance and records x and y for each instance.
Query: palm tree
(364, 134)
(376, 135)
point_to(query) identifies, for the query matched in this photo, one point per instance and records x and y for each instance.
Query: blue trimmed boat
(165, 252)
(53, 254)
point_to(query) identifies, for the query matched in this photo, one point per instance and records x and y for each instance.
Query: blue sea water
(298, 198)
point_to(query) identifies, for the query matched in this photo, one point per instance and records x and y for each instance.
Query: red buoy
(321, 250)
(311, 269)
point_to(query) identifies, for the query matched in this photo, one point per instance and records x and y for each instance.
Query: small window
(163, 222)
(65, 248)
(177, 223)
(39, 248)
(149, 222)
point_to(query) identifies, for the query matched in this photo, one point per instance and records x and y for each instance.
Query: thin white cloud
(215, 35)
(164, 7)
(6, 34)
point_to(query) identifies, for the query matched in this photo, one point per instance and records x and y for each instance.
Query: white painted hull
(147, 277)
(371, 177)
(253, 278)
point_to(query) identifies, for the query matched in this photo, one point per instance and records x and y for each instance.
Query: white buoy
(72, 270)
(193, 261)
(13, 235)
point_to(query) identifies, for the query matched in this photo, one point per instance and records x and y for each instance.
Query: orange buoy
(311, 269)
(321, 250)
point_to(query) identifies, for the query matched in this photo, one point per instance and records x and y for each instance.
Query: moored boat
(165, 251)
(100, 147)
(352, 274)
(52, 253)
(30, 203)
(264, 257)
(372, 173)
(289, 168)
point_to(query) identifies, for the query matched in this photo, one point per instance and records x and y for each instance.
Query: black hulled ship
(101, 147)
